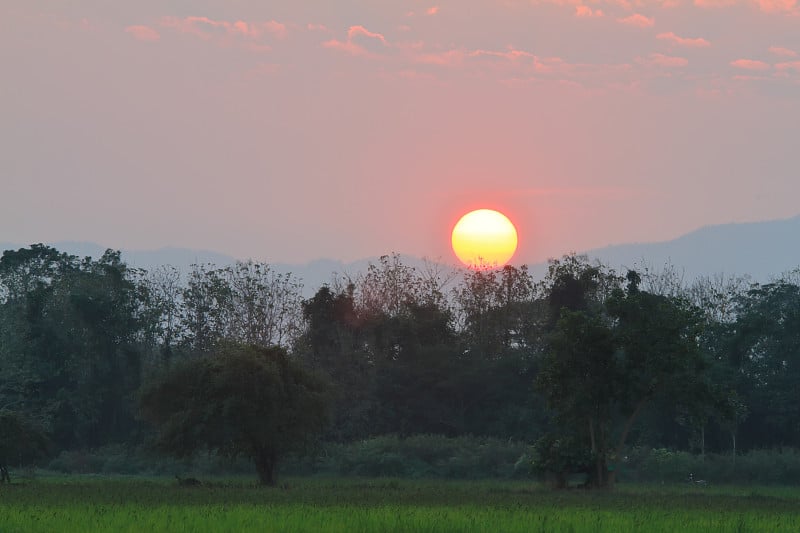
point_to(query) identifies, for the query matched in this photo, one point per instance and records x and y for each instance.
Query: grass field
(353, 505)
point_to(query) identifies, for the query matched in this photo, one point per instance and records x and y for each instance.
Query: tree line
(584, 363)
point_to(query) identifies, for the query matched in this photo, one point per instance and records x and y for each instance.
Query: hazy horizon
(294, 131)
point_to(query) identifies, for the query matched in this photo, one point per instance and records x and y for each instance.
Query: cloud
(714, 3)
(511, 53)
(432, 10)
(784, 52)
(778, 6)
(747, 77)
(790, 65)
(448, 58)
(750, 64)
(582, 11)
(662, 60)
(638, 21)
(207, 28)
(143, 33)
(352, 44)
(683, 41)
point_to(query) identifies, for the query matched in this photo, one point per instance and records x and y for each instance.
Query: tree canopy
(608, 359)
(241, 400)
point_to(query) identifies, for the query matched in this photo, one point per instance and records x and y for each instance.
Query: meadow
(80, 504)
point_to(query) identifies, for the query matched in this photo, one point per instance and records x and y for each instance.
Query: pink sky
(289, 130)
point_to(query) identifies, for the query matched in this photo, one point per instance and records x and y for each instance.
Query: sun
(484, 239)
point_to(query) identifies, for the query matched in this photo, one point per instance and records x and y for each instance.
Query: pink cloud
(449, 58)
(747, 77)
(432, 10)
(511, 53)
(143, 33)
(207, 28)
(778, 6)
(355, 31)
(683, 41)
(784, 52)
(662, 60)
(750, 64)
(583, 11)
(790, 65)
(351, 45)
(714, 3)
(637, 20)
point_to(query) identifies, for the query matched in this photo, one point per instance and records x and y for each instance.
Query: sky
(293, 130)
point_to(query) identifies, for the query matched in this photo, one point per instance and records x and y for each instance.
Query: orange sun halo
(484, 239)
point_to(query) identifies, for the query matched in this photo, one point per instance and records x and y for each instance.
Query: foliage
(243, 400)
(609, 359)
(21, 441)
(420, 456)
(70, 348)
(651, 361)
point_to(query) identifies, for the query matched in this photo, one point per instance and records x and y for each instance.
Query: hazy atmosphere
(445, 266)
(289, 131)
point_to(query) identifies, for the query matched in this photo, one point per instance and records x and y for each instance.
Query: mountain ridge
(761, 250)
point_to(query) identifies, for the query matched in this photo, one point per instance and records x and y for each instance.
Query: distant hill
(760, 249)
(313, 274)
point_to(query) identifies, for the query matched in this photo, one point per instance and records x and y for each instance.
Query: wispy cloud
(779, 6)
(637, 20)
(683, 41)
(662, 60)
(584, 11)
(781, 51)
(143, 33)
(790, 65)
(248, 35)
(357, 41)
(714, 3)
(750, 64)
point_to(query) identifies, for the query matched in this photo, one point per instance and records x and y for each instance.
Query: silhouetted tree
(240, 400)
(21, 441)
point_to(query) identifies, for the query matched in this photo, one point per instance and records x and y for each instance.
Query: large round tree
(241, 400)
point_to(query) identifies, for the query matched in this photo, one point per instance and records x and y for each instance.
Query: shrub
(419, 456)
(765, 467)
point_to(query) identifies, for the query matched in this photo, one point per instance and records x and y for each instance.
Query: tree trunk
(611, 478)
(4, 477)
(703, 443)
(265, 466)
(599, 461)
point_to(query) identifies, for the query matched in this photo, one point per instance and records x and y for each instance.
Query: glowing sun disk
(484, 239)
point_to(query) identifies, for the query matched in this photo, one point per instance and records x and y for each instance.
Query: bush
(120, 459)
(418, 456)
(763, 467)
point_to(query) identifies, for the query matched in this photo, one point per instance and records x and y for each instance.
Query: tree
(579, 379)
(763, 351)
(70, 343)
(496, 311)
(335, 343)
(609, 359)
(658, 356)
(241, 400)
(247, 302)
(20, 440)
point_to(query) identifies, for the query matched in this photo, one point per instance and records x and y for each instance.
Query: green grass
(353, 505)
